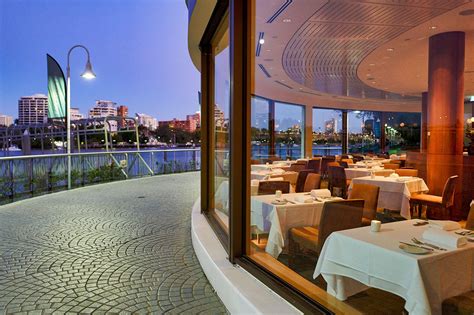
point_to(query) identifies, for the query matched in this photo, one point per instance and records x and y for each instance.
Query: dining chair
(324, 164)
(315, 164)
(269, 187)
(301, 180)
(317, 155)
(407, 172)
(357, 158)
(370, 195)
(336, 216)
(391, 166)
(313, 181)
(470, 219)
(348, 161)
(437, 207)
(288, 176)
(459, 304)
(297, 167)
(337, 182)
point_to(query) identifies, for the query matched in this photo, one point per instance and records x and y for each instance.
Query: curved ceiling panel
(325, 52)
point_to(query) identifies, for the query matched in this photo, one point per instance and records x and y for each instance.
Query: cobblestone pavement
(123, 247)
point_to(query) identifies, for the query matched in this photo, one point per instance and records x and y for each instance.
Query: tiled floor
(116, 248)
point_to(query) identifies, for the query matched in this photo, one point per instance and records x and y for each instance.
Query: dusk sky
(138, 51)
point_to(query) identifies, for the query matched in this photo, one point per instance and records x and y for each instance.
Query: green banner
(56, 90)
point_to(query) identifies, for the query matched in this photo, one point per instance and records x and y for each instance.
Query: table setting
(395, 191)
(424, 262)
(276, 214)
(367, 171)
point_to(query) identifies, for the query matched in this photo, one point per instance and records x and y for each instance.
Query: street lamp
(87, 74)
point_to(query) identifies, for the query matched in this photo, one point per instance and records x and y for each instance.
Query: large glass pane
(327, 129)
(402, 132)
(289, 131)
(221, 128)
(364, 128)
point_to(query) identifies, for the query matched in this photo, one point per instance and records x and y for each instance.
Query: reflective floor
(118, 247)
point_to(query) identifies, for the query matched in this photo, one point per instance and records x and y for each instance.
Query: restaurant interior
(360, 166)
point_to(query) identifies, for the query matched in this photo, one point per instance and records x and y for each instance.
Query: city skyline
(137, 62)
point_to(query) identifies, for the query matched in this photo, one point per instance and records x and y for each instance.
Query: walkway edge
(240, 292)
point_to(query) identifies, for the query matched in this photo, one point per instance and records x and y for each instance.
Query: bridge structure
(54, 130)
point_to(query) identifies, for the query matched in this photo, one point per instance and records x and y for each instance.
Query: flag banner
(56, 90)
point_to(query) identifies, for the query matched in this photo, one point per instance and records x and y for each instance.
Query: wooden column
(445, 111)
(424, 121)
(345, 133)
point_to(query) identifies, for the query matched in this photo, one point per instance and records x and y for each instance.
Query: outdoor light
(88, 72)
(261, 41)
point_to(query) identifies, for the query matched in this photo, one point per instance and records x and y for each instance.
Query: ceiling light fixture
(372, 64)
(286, 20)
(261, 41)
(390, 49)
(433, 27)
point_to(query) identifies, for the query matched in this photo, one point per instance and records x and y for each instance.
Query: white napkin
(320, 193)
(394, 175)
(304, 199)
(445, 238)
(445, 225)
(254, 182)
(404, 178)
(393, 156)
(278, 171)
(275, 178)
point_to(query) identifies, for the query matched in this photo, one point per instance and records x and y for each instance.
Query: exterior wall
(33, 109)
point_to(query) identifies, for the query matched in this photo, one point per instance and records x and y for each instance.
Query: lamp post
(87, 74)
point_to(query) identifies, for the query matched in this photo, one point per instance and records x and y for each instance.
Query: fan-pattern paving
(123, 247)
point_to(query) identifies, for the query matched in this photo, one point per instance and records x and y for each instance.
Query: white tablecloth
(353, 260)
(221, 197)
(278, 219)
(285, 165)
(264, 174)
(362, 172)
(394, 195)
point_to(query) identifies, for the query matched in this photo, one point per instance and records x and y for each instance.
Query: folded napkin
(320, 193)
(404, 178)
(444, 238)
(278, 171)
(394, 175)
(275, 178)
(304, 199)
(393, 156)
(445, 225)
(254, 182)
(279, 164)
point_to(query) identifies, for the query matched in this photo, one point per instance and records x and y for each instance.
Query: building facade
(33, 109)
(6, 120)
(75, 114)
(147, 120)
(103, 108)
(122, 111)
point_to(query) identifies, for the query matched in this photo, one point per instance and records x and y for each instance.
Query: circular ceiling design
(327, 49)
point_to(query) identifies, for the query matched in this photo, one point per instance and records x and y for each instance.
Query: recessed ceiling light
(390, 49)
(421, 38)
(467, 12)
(433, 27)
(286, 20)
(268, 49)
(261, 41)
(372, 64)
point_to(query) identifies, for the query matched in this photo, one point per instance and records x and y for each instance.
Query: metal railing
(27, 176)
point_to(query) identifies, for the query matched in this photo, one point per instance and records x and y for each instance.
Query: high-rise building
(6, 120)
(330, 126)
(147, 121)
(33, 109)
(75, 114)
(218, 116)
(122, 111)
(195, 119)
(103, 108)
(187, 125)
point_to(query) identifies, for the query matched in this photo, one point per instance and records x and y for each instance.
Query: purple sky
(138, 50)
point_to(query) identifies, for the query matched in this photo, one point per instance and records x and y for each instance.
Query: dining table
(267, 173)
(354, 260)
(278, 219)
(395, 192)
(352, 173)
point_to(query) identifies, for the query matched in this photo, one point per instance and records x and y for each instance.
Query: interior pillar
(445, 110)
(345, 134)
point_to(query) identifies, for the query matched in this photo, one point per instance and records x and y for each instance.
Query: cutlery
(416, 241)
(426, 248)
(464, 233)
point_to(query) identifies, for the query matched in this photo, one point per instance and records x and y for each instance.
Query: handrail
(21, 157)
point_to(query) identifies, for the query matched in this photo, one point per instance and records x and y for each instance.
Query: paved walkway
(121, 247)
